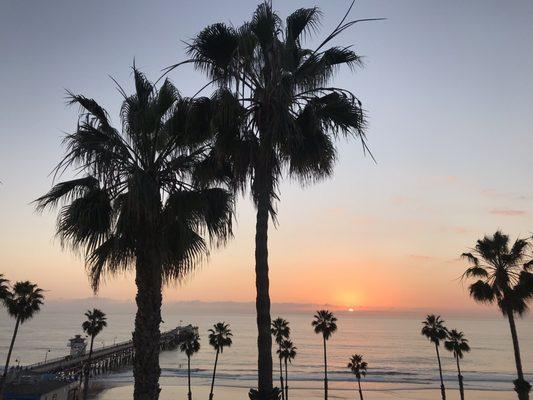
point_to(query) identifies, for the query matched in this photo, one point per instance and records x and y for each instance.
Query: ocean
(400, 360)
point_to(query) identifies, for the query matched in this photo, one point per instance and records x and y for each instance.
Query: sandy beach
(175, 389)
(174, 392)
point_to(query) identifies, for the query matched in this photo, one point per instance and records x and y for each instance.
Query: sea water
(398, 356)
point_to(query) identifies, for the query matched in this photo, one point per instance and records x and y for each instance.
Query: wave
(481, 381)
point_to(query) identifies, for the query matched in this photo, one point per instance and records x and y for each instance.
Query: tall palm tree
(358, 368)
(22, 303)
(220, 336)
(287, 352)
(4, 287)
(280, 113)
(281, 331)
(458, 345)
(190, 345)
(137, 208)
(505, 277)
(434, 329)
(325, 323)
(95, 323)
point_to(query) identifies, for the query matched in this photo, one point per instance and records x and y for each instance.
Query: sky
(448, 91)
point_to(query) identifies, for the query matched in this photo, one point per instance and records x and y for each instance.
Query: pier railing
(105, 355)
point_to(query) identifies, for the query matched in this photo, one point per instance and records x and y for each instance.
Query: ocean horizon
(399, 357)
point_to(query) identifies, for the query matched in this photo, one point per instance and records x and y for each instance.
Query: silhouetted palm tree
(95, 323)
(138, 208)
(435, 331)
(280, 330)
(279, 113)
(287, 352)
(325, 323)
(358, 368)
(219, 337)
(22, 303)
(505, 277)
(4, 287)
(458, 345)
(190, 345)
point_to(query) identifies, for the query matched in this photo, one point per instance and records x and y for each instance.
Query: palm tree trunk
(189, 395)
(360, 390)
(88, 370)
(6, 368)
(213, 380)
(325, 371)
(281, 375)
(442, 390)
(460, 376)
(264, 339)
(522, 387)
(286, 381)
(146, 337)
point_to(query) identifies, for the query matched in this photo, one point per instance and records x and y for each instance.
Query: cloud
(495, 194)
(506, 212)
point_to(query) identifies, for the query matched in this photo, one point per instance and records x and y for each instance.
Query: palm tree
(287, 352)
(358, 368)
(22, 303)
(505, 278)
(280, 330)
(326, 324)
(277, 113)
(4, 287)
(137, 207)
(434, 329)
(219, 337)
(190, 345)
(95, 323)
(458, 345)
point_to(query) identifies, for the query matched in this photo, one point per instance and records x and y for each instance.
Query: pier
(103, 359)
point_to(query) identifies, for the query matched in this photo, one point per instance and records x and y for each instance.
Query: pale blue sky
(448, 86)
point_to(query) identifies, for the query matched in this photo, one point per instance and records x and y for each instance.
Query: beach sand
(170, 392)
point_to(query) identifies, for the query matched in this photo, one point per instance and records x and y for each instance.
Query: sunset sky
(448, 91)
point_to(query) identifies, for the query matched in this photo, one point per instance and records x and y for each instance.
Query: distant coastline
(248, 307)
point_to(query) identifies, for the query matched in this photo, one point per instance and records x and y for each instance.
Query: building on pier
(77, 345)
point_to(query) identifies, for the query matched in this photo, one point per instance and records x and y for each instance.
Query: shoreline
(101, 386)
(227, 392)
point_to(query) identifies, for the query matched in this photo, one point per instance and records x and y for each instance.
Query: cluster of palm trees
(22, 301)
(325, 324)
(504, 276)
(155, 194)
(220, 337)
(433, 328)
(286, 351)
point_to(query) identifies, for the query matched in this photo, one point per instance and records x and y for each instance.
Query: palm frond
(66, 191)
(302, 21)
(213, 50)
(86, 221)
(482, 292)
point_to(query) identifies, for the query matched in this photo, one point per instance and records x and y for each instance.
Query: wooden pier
(104, 359)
